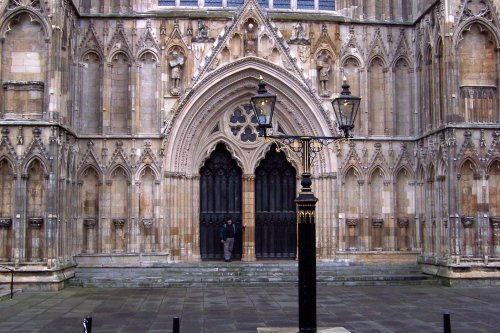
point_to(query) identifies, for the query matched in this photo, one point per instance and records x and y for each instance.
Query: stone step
(201, 274)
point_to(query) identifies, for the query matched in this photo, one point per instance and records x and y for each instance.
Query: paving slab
(219, 309)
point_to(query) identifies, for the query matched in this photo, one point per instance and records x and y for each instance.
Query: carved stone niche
(468, 221)
(377, 223)
(147, 223)
(403, 222)
(119, 223)
(351, 223)
(89, 222)
(35, 222)
(495, 221)
(5, 222)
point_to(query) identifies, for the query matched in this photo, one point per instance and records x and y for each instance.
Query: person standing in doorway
(227, 234)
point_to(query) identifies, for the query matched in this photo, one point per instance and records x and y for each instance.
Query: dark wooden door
(275, 217)
(220, 195)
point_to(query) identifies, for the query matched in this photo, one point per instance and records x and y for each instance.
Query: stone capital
(377, 223)
(89, 223)
(35, 222)
(5, 222)
(119, 223)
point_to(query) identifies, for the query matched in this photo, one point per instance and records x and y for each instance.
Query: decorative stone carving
(403, 222)
(202, 35)
(467, 221)
(299, 35)
(24, 85)
(377, 223)
(176, 63)
(89, 223)
(351, 223)
(250, 38)
(119, 223)
(5, 222)
(147, 223)
(35, 222)
(495, 221)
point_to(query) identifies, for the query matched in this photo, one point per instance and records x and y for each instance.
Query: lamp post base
(294, 330)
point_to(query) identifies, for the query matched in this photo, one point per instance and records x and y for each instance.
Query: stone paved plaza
(217, 309)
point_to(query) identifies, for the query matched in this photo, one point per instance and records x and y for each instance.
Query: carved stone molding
(468, 221)
(403, 222)
(24, 85)
(89, 223)
(377, 223)
(147, 223)
(35, 222)
(5, 222)
(119, 223)
(495, 221)
(351, 223)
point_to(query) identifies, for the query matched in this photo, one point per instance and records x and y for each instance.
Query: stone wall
(108, 115)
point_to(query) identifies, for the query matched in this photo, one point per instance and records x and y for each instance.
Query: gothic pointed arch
(352, 160)
(36, 150)
(250, 12)
(377, 49)
(148, 159)
(148, 41)
(120, 158)
(352, 48)
(297, 111)
(468, 151)
(35, 16)
(91, 41)
(119, 43)
(7, 150)
(89, 159)
(476, 11)
(403, 50)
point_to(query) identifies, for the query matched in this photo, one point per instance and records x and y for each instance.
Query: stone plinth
(295, 330)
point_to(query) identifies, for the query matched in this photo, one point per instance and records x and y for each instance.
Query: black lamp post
(345, 107)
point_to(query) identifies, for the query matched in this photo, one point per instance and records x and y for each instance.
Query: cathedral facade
(127, 136)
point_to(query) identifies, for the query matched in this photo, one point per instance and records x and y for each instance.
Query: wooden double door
(221, 197)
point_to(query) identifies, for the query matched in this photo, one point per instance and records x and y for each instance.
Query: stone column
(467, 223)
(377, 234)
(403, 224)
(35, 224)
(495, 231)
(89, 224)
(351, 234)
(147, 227)
(5, 224)
(248, 218)
(119, 223)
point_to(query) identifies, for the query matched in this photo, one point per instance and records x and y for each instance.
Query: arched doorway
(275, 216)
(220, 195)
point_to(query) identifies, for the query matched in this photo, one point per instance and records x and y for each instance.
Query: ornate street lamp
(307, 148)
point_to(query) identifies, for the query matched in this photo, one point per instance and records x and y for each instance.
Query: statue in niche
(299, 35)
(250, 39)
(202, 35)
(176, 63)
(324, 67)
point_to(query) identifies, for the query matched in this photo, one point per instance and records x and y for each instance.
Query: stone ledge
(39, 278)
(294, 330)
